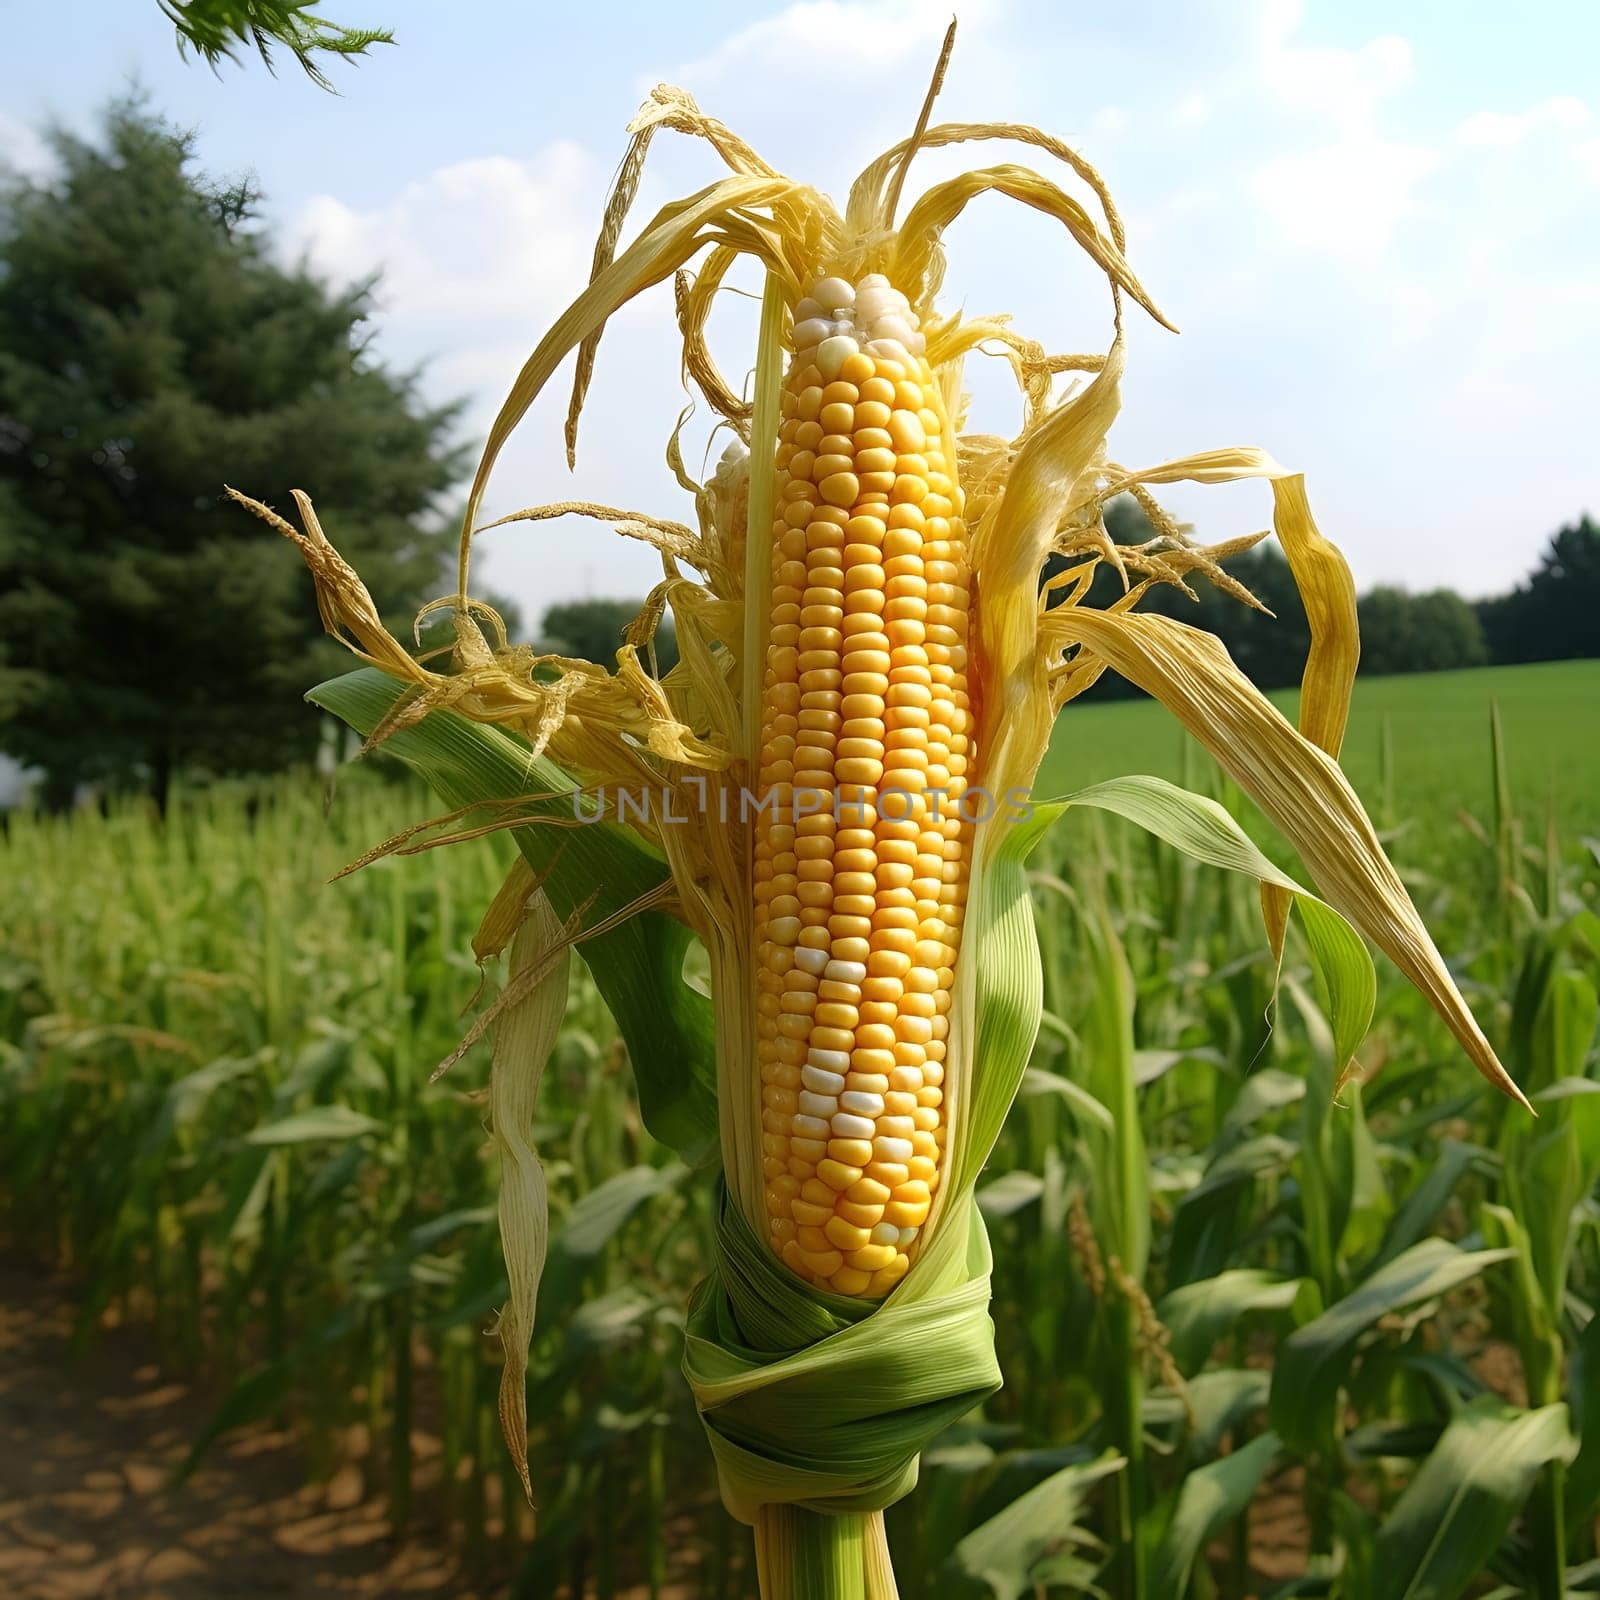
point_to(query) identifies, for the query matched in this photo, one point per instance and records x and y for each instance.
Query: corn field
(1254, 1342)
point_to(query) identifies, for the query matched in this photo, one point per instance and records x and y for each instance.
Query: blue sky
(1377, 225)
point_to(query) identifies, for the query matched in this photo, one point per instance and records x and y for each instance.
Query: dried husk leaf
(1009, 547)
(507, 912)
(524, 1037)
(1327, 590)
(1297, 785)
(916, 261)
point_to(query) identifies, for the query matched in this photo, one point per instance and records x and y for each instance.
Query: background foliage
(216, 29)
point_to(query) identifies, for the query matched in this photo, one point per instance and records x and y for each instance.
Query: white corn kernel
(820, 1082)
(833, 293)
(830, 1060)
(832, 354)
(864, 1105)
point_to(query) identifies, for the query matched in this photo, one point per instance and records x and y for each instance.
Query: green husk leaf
(823, 1402)
(1001, 963)
(1198, 826)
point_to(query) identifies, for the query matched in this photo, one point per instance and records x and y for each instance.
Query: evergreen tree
(1555, 615)
(151, 351)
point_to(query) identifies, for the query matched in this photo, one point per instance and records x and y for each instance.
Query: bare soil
(88, 1446)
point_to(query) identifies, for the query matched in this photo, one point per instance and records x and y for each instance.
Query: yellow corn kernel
(846, 1235)
(872, 1257)
(859, 902)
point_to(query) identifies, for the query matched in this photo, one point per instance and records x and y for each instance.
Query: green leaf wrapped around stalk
(831, 789)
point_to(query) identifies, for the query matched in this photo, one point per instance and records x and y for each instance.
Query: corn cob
(861, 850)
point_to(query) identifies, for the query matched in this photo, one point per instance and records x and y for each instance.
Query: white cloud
(1439, 349)
(1341, 85)
(479, 238)
(1500, 130)
(1348, 197)
(852, 38)
(23, 150)
(477, 260)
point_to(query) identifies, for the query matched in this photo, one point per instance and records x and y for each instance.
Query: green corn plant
(812, 1302)
(1548, 1173)
(208, 1147)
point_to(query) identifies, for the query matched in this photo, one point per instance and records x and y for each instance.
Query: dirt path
(87, 1446)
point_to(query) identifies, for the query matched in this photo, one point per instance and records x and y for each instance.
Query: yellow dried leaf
(1297, 785)
(1008, 550)
(506, 912)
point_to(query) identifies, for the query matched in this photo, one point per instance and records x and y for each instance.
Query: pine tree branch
(217, 28)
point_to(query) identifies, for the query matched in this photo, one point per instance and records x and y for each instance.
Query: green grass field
(1437, 727)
